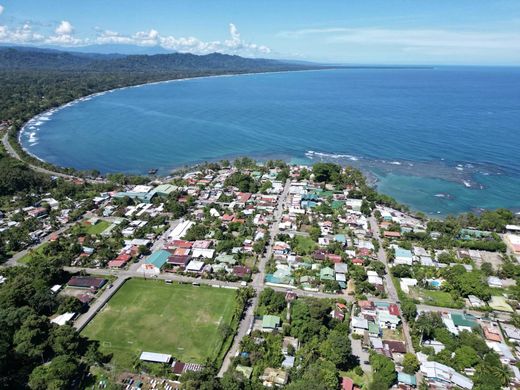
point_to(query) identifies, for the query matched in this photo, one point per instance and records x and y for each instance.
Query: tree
(410, 364)
(337, 349)
(315, 233)
(409, 309)
(383, 368)
(65, 340)
(31, 339)
(466, 357)
(59, 374)
(319, 375)
(325, 172)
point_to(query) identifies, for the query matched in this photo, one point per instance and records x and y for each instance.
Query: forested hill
(14, 58)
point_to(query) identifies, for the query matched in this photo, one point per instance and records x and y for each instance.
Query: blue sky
(358, 32)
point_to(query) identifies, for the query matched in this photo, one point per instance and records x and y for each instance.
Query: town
(273, 275)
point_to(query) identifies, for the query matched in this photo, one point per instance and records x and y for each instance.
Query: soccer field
(149, 315)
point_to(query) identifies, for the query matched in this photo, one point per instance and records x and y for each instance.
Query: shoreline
(97, 94)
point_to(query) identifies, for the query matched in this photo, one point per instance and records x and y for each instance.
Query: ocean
(443, 140)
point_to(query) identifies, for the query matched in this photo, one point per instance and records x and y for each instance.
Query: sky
(458, 32)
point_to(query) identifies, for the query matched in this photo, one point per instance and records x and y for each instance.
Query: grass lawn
(361, 381)
(436, 298)
(304, 244)
(149, 315)
(98, 228)
(29, 255)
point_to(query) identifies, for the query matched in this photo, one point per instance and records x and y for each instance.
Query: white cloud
(233, 45)
(408, 38)
(65, 28)
(64, 35)
(1, 9)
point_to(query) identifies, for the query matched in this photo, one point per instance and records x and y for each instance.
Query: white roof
(56, 288)
(142, 188)
(155, 357)
(202, 252)
(63, 319)
(195, 265)
(358, 322)
(376, 342)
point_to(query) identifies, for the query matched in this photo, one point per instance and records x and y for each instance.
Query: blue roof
(158, 258)
(400, 252)
(406, 378)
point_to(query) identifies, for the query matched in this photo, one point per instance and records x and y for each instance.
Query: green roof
(461, 320)
(164, 189)
(158, 258)
(270, 322)
(246, 371)
(327, 273)
(337, 204)
(228, 259)
(373, 328)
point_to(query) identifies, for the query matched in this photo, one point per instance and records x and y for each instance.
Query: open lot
(435, 298)
(149, 315)
(98, 228)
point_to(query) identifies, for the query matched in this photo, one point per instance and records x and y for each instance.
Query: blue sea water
(443, 140)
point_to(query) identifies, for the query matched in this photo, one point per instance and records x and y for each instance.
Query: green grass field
(149, 315)
(98, 228)
(29, 255)
(437, 298)
(304, 244)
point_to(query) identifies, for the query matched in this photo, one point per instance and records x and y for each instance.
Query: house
(359, 325)
(155, 357)
(492, 333)
(347, 383)
(157, 260)
(270, 323)
(374, 278)
(195, 266)
(387, 320)
(274, 377)
(403, 256)
(494, 282)
(244, 370)
(179, 368)
(512, 333)
(391, 234)
(63, 319)
(288, 362)
(326, 273)
(396, 347)
(443, 375)
(86, 282)
(179, 261)
(289, 342)
(406, 379)
(202, 252)
(241, 271)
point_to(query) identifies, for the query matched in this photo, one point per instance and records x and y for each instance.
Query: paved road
(258, 283)
(390, 288)
(14, 154)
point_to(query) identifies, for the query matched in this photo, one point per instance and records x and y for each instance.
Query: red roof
(357, 260)
(182, 244)
(227, 218)
(334, 258)
(116, 263)
(364, 252)
(347, 383)
(241, 271)
(366, 304)
(393, 309)
(391, 234)
(124, 257)
(243, 197)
